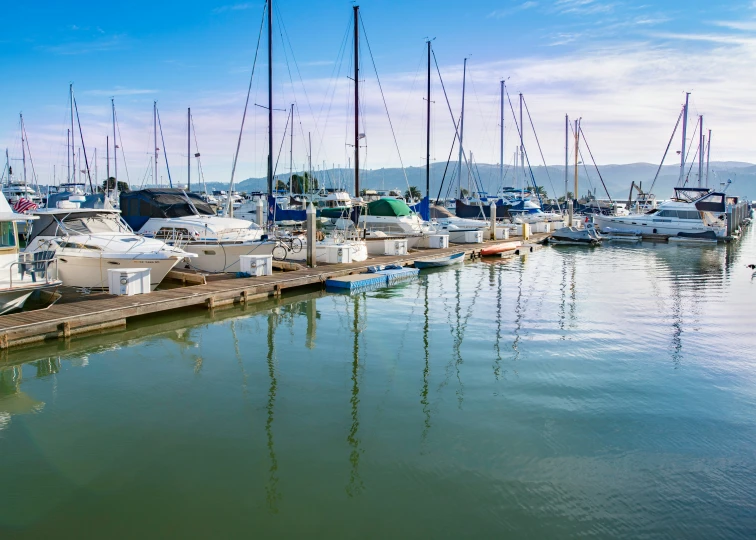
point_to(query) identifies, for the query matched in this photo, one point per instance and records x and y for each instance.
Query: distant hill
(616, 177)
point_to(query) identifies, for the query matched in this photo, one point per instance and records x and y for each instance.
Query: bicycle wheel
(279, 253)
(296, 245)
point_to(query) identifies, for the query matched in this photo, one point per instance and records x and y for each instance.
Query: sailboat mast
(428, 127)
(309, 160)
(23, 145)
(708, 155)
(115, 143)
(356, 101)
(107, 161)
(73, 141)
(566, 153)
(189, 148)
(154, 134)
(501, 134)
(684, 134)
(291, 150)
(270, 98)
(68, 155)
(461, 128)
(577, 153)
(522, 147)
(700, 151)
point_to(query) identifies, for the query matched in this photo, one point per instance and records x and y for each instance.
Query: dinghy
(441, 261)
(499, 248)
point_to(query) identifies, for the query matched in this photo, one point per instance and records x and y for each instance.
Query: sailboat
(78, 191)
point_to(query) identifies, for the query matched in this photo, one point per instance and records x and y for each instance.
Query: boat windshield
(93, 224)
(655, 210)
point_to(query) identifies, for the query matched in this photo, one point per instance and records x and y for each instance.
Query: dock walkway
(64, 320)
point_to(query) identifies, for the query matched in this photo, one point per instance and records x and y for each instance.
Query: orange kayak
(499, 248)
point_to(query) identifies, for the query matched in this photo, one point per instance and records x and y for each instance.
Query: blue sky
(622, 66)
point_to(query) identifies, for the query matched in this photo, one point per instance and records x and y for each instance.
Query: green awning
(388, 207)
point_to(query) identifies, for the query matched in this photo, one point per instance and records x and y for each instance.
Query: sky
(623, 67)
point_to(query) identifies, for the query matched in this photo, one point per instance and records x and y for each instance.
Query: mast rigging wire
(165, 153)
(551, 184)
(81, 135)
(120, 146)
(246, 106)
(580, 128)
(525, 152)
(446, 97)
(679, 117)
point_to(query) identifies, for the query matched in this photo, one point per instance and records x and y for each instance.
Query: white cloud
(628, 94)
(231, 7)
(119, 91)
(583, 7)
(501, 13)
(748, 26)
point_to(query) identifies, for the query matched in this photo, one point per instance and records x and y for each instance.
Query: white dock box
(395, 247)
(129, 281)
(466, 237)
(435, 241)
(256, 265)
(334, 254)
(502, 233)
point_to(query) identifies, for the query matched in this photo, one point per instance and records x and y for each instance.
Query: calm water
(575, 392)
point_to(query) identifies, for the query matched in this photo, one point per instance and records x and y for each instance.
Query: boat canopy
(690, 194)
(713, 202)
(439, 212)
(85, 222)
(139, 206)
(388, 208)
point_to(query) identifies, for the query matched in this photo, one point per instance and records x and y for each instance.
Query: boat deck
(77, 314)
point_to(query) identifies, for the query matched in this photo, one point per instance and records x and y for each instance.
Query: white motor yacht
(691, 211)
(392, 217)
(184, 220)
(87, 242)
(20, 275)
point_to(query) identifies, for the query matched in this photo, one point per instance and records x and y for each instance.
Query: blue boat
(441, 261)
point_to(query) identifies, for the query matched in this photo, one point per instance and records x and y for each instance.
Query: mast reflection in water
(627, 403)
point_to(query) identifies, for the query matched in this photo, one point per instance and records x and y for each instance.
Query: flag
(24, 205)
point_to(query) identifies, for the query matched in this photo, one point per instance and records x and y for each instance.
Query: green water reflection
(569, 393)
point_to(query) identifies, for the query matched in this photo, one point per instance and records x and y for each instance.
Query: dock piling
(311, 231)
(493, 220)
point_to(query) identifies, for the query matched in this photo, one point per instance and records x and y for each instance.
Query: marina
(311, 270)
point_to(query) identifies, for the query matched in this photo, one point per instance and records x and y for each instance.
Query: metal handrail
(32, 263)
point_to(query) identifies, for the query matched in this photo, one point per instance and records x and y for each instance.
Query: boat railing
(37, 264)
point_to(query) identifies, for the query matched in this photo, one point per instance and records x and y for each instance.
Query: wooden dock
(103, 311)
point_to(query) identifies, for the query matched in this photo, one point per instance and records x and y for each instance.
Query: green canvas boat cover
(388, 207)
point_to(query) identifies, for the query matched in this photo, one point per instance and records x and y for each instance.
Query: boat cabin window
(74, 245)
(680, 214)
(93, 224)
(7, 235)
(170, 232)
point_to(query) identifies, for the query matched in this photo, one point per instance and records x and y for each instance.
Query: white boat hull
(646, 227)
(215, 257)
(92, 272)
